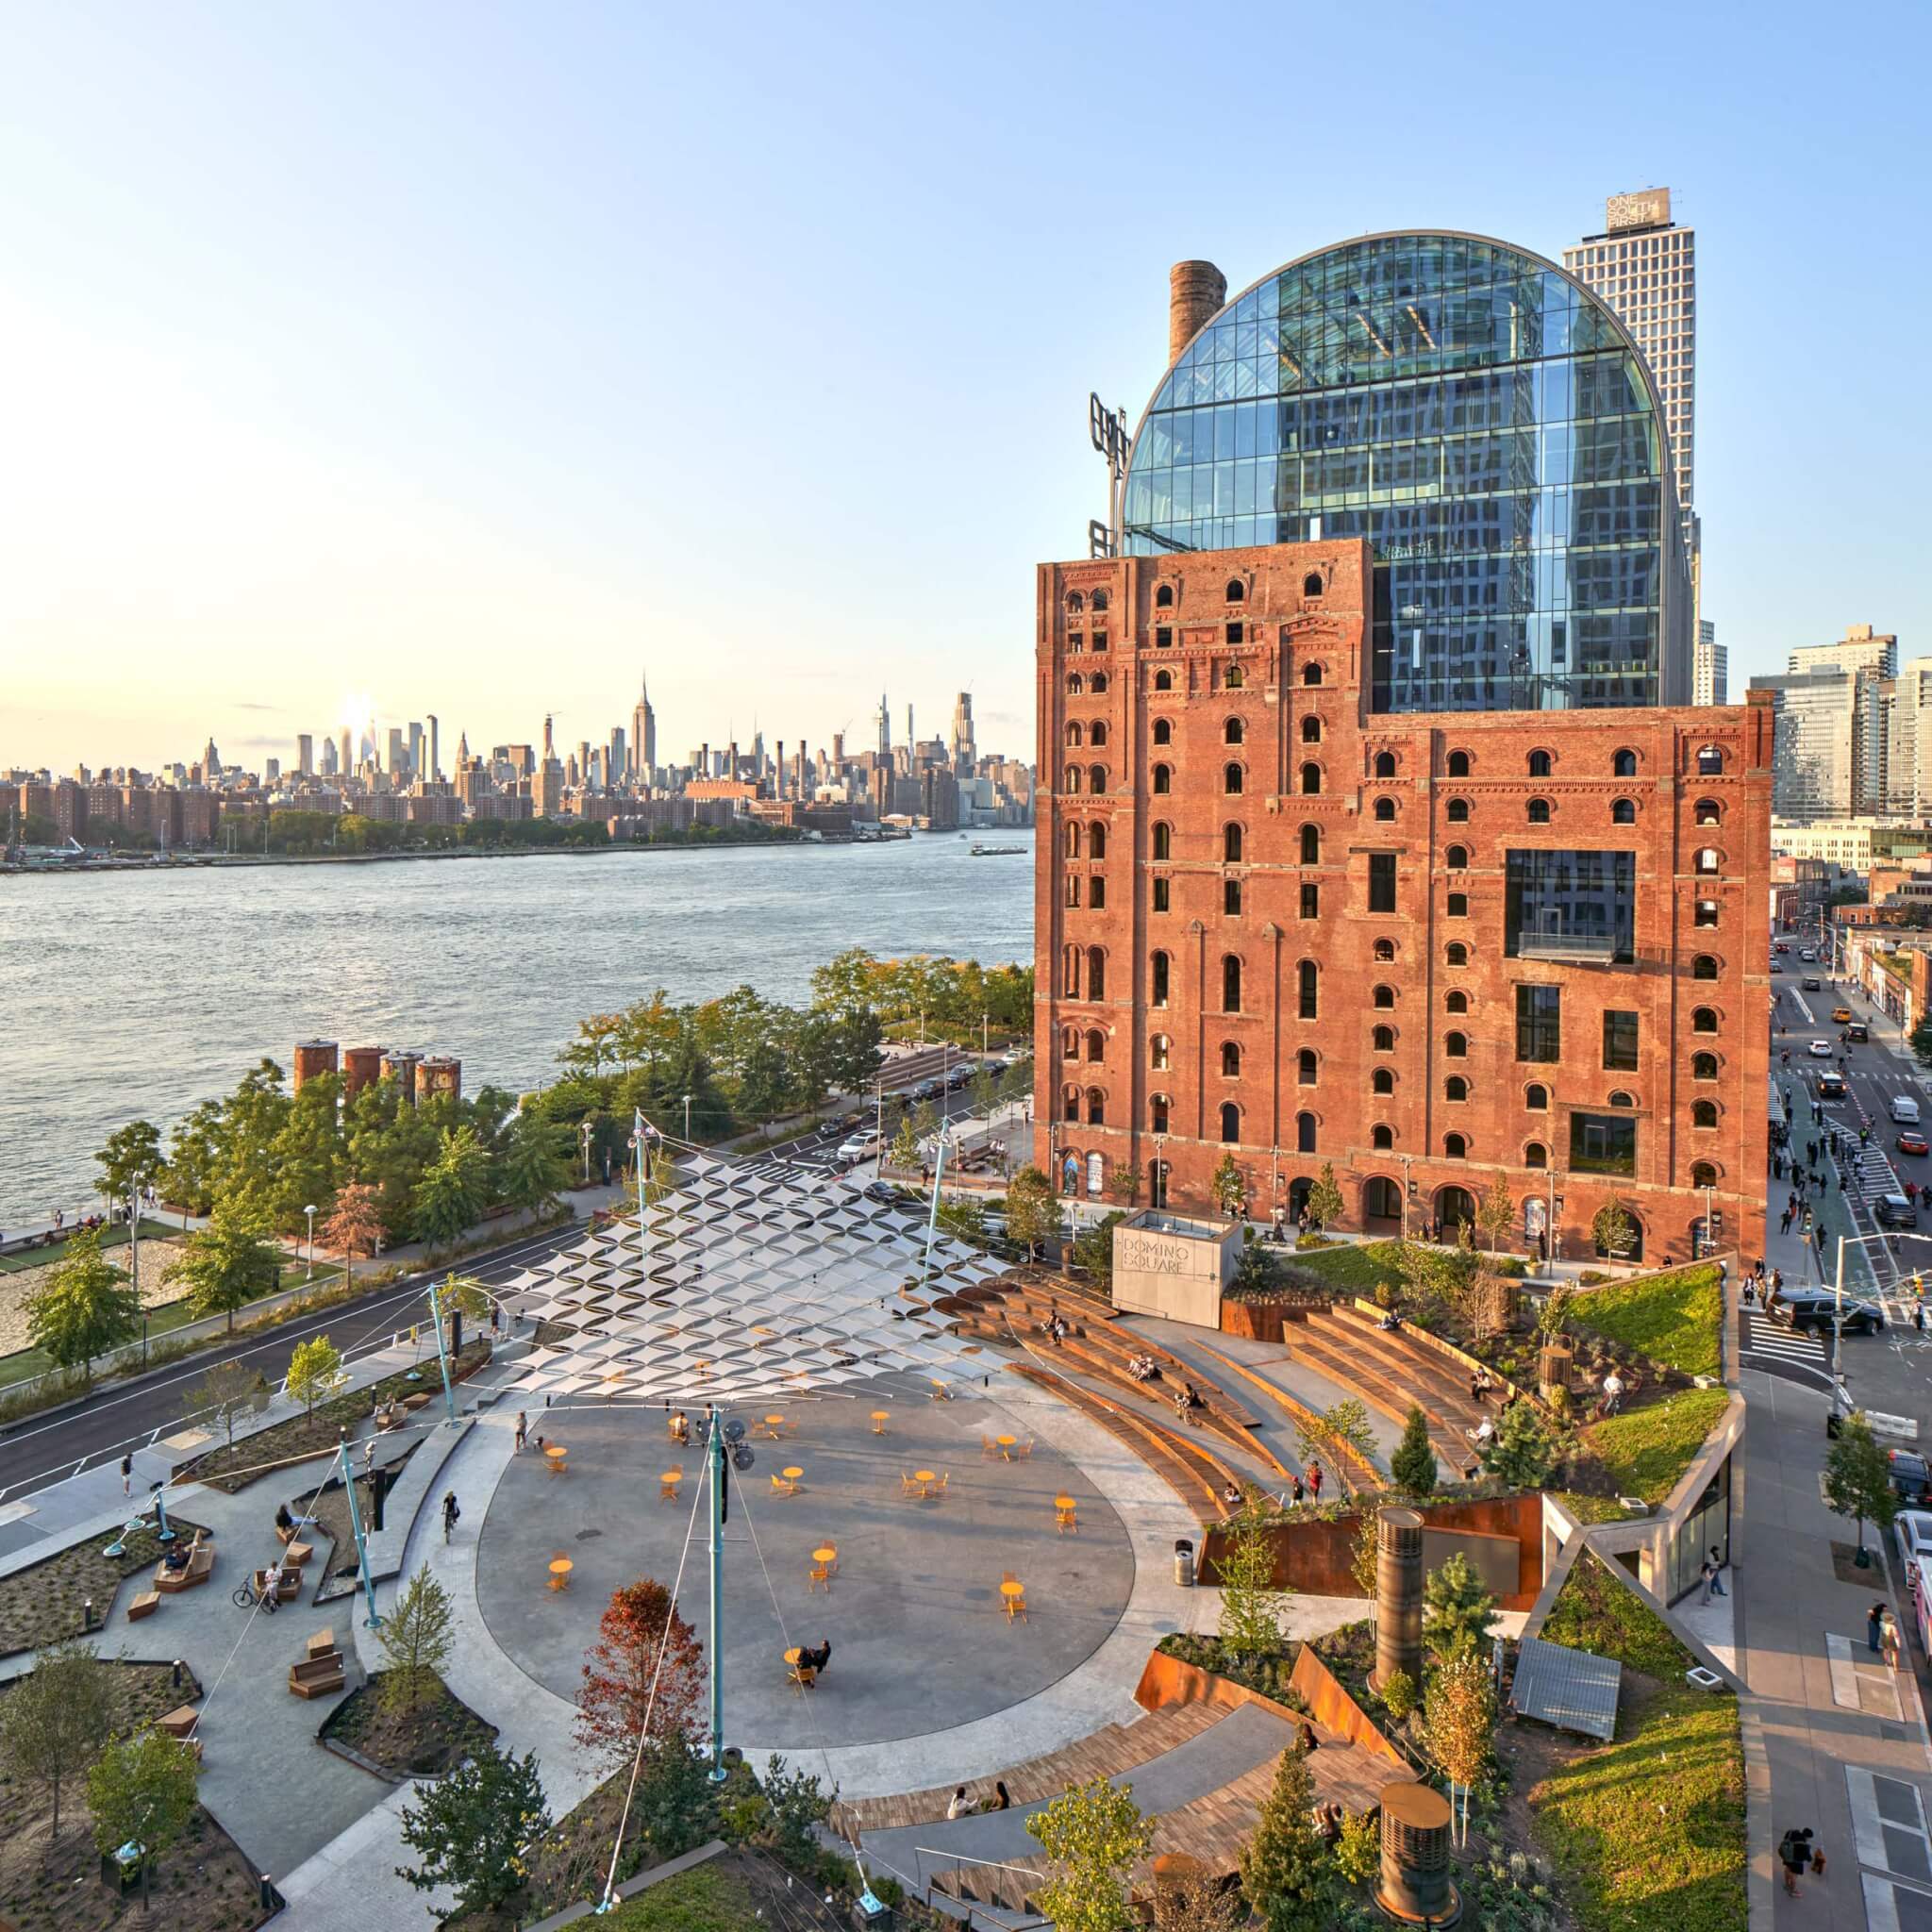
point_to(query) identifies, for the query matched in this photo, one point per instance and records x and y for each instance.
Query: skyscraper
(415, 749)
(398, 751)
(305, 752)
(348, 764)
(1708, 666)
(435, 767)
(1644, 267)
(643, 732)
(615, 766)
(329, 766)
(885, 728)
(549, 742)
(965, 752)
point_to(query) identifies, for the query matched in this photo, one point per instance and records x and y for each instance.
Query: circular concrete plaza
(920, 1637)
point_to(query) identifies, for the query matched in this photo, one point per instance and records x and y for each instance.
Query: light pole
(687, 1116)
(1158, 1192)
(584, 1133)
(310, 1210)
(1408, 1184)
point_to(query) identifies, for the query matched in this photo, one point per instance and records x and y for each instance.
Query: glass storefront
(1483, 420)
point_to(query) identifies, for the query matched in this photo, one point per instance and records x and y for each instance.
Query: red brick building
(1423, 947)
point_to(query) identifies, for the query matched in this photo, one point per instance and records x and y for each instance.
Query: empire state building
(644, 733)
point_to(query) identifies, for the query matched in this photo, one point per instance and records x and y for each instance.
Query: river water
(134, 994)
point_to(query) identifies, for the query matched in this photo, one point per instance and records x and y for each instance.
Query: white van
(1904, 1112)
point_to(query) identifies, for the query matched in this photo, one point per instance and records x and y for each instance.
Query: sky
(481, 359)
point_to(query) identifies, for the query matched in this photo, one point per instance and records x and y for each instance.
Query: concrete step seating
(1109, 1752)
(1190, 1470)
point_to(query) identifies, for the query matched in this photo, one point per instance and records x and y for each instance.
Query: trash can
(1184, 1562)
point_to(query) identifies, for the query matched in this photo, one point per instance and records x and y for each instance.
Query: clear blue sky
(471, 356)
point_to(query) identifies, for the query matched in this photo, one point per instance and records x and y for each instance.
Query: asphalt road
(34, 1453)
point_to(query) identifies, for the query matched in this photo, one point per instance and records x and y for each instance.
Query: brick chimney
(1195, 291)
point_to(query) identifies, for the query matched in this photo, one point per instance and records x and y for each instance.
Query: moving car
(1910, 1142)
(858, 1146)
(1894, 1210)
(1842, 1016)
(1831, 1087)
(1858, 1032)
(1780, 946)
(1808, 954)
(1819, 1049)
(1814, 1308)
(1812, 982)
(1905, 1110)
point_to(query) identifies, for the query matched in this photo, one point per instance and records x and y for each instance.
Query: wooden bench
(320, 1643)
(288, 1584)
(145, 1605)
(320, 1675)
(179, 1722)
(197, 1570)
(299, 1554)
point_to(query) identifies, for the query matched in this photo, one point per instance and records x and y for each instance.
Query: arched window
(1311, 584)
(1096, 840)
(1096, 1108)
(1457, 1001)
(1456, 953)
(1311, 846)
(1163, 841)
(1075, 735)
(1231, 844)
(1703, 1066)
(1312, 673)
(1384, 764)
(1096, 972)
(1704, 1019)
(1706, 912)
(1457, 857)
(1710, 761)
(1703, 1174)
(1536, 1099)
(1380, 1137)
(1308, 989)
(1230, 895)
(1156, 1112)
(1383, 997)
(1382, 1081)
(1230, 984)
(1073, 841)
(1704, 1113)
(1235, 679)
(1305, 1133)
(1539, 764)
(1704, 967)
(1163, 781)
(1384, 949)
(1456, 1045)
(1231, 780)
(1537, 811)
(1099, 601)
(1231, 1059)
(1163, 680)
(1163, 731)
(1233, 732)
(1075, 684)
(1455, 1087)
(1097, 732)
(1311, 778)
(1622, 811)
(1074, 601)
(1707, 862)
(1620, 1099)
(1070, 971)
(1459, 764)
(1098, 687)
(1097, 778)
(1311, 730)
(1237, 591)
(1157, 980)
(1385, 811)
(1163, 597)
(1383, 1039)
(1070, 1042)
(1230, 1123)
(1096, 1044)
(1535, 1154)
(1457, 813)
(1624, 765)
(1305, 1067)
(1070, 1103)
(1072, 778)
(1455, 1148)
(1709, 812)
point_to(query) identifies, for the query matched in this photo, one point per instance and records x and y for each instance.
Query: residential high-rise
(329, 765)
(1870, 661)
(1908, 743)
(1643, 268)
(615, 766)
(965, 752)
(1709, 668)
(549, 739)
(398, 751)
(885, 728)
(1815, 763)
(305, 752)
(643, 732)
(415, 749)
(435, 767)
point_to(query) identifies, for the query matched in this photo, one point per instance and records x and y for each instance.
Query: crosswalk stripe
(1762, 1336)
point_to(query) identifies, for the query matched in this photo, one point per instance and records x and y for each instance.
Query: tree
(1922, 1041)
(1413, 1465)
(129, 1161)
(986, 1096)
(57, 1718)
(963, 1219)
(904, 1152)
(1032, 1212)
(188, 1178)
(925, 1120)
(1612, 1229)
(1337, 1433)
(1251, 1602)
(229, 1263)
(1495, 1213)
(1365, 1555)
(474, 1828)
(1459, 1716)
(417, 1637)
(315, 1372)
(1123, 1184)
(1093, 1834)
(1230, 1187)
(1253, 1271)
(232, 1390)
(1094, 1248)
(1325, 1202)
(646, 1667)
(1285, 1866)
(85, 1309)
(1858, 1477)
(1524, 1452)
(1359, 1847)
(1458, 1612)
(309, 1153)
(141, 1791)
(454, 1189)
(1197, 1902)
(354, 1225)
(532, 1166)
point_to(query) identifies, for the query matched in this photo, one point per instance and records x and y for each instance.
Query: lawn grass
(1360, 1269)
(703, 1900)
(25, 1364)
(1671, 1318)
(1594, 1612)
(56, 1252)
(1645, 1451)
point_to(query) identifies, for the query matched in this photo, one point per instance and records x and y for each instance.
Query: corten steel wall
(1286, 627)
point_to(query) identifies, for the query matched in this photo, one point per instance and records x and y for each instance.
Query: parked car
(1013, 1056)
(1814, 1308)
(962, 1075)
(1812, 982)
(1910, 1477)
(1894, 1210)
(1905, 1110)
(1909, 1143)
(1912, 1529)
(1840, 1016)
(1831, 1087)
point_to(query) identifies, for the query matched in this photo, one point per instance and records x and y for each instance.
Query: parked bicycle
(244, 1598)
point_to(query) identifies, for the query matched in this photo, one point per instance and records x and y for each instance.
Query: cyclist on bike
(450, 1513)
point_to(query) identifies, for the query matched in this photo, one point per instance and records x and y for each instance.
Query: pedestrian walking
(1295, 1493)
(1891, 1644)
(1875, 1627)
(1315, 1482)
(523, 1431)
(127, 1474)
(1784, 1224)
(1708, 1571)
(1717, 1575)
(1794, 1854)
(1919, 1316)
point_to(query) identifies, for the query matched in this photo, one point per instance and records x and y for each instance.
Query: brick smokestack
(1195, 291)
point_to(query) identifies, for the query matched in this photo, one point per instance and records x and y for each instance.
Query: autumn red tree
(640, 1622)
(354, 1223)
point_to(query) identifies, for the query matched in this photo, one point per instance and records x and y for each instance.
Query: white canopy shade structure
(750, 1280)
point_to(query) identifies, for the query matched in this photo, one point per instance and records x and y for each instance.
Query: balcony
(1569, 948)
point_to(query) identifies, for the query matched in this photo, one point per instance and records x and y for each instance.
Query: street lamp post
(310, 1210)
(584, 1132)
(1157, 1193)
(687, 1116)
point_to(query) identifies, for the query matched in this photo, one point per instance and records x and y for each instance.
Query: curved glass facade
(1485, 422)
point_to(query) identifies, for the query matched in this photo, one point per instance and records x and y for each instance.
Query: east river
(133, 994)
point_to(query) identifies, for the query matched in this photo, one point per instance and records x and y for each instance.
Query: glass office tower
(1485, 422)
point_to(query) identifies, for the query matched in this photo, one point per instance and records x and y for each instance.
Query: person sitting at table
(817, 1660)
